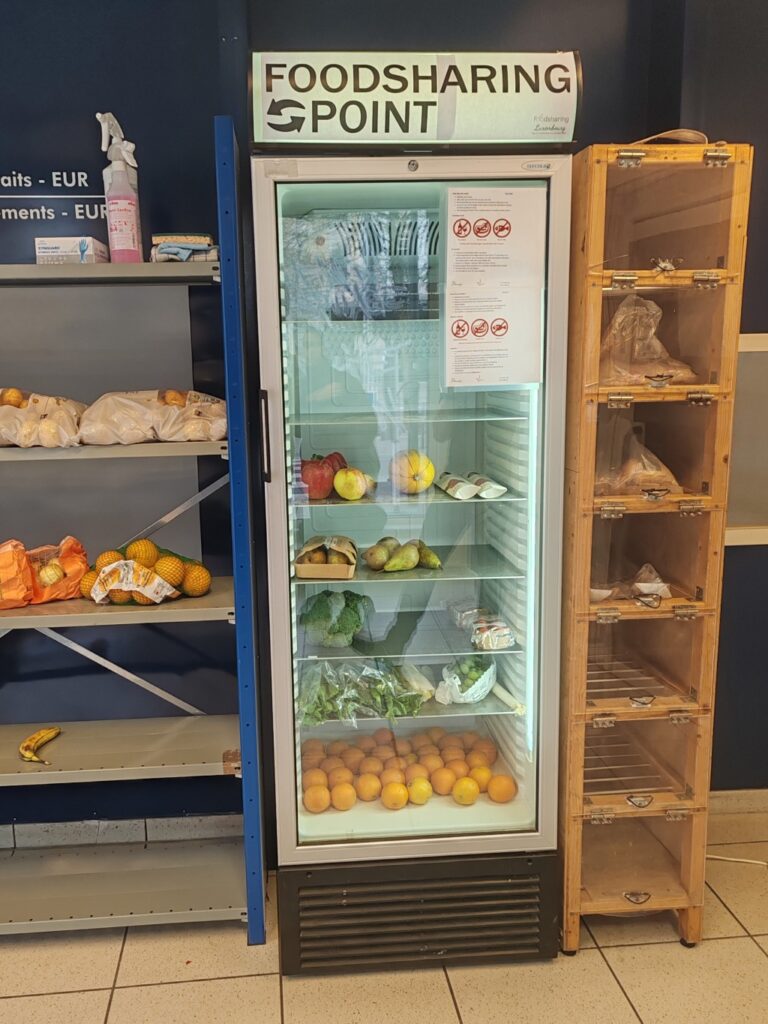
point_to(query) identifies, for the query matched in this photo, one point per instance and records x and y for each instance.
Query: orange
(419, 791)
(107, 558)
(477, 759)
(416, 771)
(352, 757)
(308, 745)
(411, 758)
(169, 568)
(396, 762)
(139, 598)
(331, 762)
(435, 733)
(502, 789)
(443, 781)
(394, 796)
(120, 596)
(143, 551)
(86, 583)
(383, 735)
(366, 744)
(197, 580)
(465, 791)
(402, 747)
(371, 765)
(312, 760)
(451, 740)
(428, 748)
(420, 739)
(343, 796)
(383, 752)
(313, 777)
(392, 775)
(469, 739)
(481, 776)
(488, 749)
(459, 767)
(368, 786)
(431, 762)
(317, 799)
(452, 754)
(336, 776)
(337, 747)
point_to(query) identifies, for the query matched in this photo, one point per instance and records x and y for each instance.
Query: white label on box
(495, 276)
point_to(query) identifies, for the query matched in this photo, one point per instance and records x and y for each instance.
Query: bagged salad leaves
(346, 692)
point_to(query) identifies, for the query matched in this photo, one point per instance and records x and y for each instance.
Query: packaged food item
(29, 420)
(129, 576)
(646, 586)
(132, 417)
(327, 558)
(491, 634)
(641, 472)
(346, 692)
(16, 589)
(487, 488)
(467, 681)
(143, 573)
(57, 570)
(456, 486)
(632, 355)
(465, 612)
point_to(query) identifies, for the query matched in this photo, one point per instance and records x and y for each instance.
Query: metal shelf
(109, 273)
(114, 885)
(116, 750)
(216, 606)
(150, 449)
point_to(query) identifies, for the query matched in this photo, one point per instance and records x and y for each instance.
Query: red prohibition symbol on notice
(461, 227)
(501, 227)
(460, 328)
(480, 328)
(482, 227)
(499, 327)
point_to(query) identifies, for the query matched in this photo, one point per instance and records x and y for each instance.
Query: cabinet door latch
(642, 700)
(716, 157)
(636, 897)
(630, 157)
(612, 510)
(640, 800)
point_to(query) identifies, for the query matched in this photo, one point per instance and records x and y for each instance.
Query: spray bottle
(121, 191)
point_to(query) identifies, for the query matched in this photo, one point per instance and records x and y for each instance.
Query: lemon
(465, 791)
(108, 558)
(169, 568)
(419, 790)
(143, 551)
(197, 580)
(86, 583)
(139, 598)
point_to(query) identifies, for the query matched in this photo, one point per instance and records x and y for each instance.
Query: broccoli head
(332, 619)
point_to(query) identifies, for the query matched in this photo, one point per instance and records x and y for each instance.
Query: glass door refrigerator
(412, 326)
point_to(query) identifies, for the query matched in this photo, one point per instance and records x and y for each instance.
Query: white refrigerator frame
(267, 173)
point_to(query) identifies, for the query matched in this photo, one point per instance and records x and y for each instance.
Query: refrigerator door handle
(266, 446)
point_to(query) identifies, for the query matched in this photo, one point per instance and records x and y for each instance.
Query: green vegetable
(332, 619)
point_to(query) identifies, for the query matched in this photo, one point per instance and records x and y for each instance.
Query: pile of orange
(401, 771)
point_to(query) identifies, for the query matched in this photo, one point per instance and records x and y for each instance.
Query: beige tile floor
(627, 971)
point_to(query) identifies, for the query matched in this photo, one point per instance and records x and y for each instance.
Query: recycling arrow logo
(293, 124)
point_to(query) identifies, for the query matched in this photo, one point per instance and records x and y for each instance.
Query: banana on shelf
(29, 747)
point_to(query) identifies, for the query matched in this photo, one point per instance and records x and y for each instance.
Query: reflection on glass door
(413, 512)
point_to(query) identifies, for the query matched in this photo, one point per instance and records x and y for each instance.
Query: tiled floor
(627, 971)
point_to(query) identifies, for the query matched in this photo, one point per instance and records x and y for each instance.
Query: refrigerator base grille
(396, 914)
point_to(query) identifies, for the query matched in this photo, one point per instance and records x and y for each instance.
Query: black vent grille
(387, 924)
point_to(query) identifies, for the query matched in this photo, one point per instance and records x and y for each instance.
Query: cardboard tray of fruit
(327, 558)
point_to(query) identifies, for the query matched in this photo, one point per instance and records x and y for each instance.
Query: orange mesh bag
(57, 570)
(15, 576)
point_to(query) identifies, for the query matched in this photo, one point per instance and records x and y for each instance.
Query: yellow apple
(350, 483)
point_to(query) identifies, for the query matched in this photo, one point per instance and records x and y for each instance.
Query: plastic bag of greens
(326, 694)
(383, 694)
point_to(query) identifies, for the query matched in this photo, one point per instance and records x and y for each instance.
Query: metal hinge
(602, 818)
(699, 398)
(691, 508)
(607, 616)
(679, 718)
(630, 157)
(604, 721)
(612, 510)
(677, 814)
(716, 157)
(623, 279)
(706, 279)
(685, 612)
(620, 400)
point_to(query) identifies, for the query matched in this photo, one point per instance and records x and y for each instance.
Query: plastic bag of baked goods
(641, 472)
(15, 576)
(57, 570)
(29, 420)
(130, 417)
(630, 352)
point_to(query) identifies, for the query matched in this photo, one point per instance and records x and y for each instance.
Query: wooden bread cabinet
(657, 264)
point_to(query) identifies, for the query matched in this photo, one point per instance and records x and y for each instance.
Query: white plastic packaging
(486, 487)
(456, 486)
(132, 417)
(449, 690)
(40, 421)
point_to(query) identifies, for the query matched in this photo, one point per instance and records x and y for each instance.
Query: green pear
(390, 543)
(427, 557)
(376, 557)
(406, 557)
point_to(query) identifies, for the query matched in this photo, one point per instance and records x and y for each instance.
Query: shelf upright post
(242, 530)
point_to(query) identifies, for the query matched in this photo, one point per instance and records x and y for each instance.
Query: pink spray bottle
(121, 192)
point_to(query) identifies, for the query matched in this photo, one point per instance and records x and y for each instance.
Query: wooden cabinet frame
(652, 684)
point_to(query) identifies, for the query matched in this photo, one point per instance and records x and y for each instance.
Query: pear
(427, 557)
(376, 557)
(406, 557)
(390, 543)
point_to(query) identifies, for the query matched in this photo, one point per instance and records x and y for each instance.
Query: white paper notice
(494, 285)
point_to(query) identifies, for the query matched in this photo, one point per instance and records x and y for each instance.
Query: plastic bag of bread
(29, 420)
(630, 352)
(57, 570)
(645, 586)
(641, 472)
(15, 576)
(130, 417)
